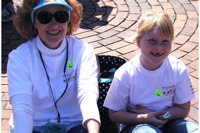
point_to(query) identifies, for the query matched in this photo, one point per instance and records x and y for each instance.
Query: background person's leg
(9, 6)
(7, 10)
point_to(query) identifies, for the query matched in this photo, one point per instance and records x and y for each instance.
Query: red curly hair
(22, 19)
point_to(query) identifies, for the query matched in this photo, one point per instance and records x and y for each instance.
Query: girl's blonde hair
(151, 20)
(23, 24)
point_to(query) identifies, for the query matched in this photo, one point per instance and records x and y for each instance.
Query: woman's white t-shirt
(29, 87)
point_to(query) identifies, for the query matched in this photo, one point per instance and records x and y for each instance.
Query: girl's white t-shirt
(155, 90)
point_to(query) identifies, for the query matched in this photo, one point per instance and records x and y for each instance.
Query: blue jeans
(176, 126)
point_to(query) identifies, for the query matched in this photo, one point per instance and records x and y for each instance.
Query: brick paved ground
(109, 24)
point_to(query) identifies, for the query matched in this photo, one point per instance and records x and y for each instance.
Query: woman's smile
(53, 32)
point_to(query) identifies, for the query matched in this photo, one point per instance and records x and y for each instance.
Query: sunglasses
(46, 17)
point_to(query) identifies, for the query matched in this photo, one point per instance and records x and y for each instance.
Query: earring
(35, 31)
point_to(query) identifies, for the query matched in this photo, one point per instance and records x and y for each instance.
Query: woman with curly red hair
(52, 77)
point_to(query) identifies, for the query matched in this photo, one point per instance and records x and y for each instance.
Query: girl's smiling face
(155, 47)
(53, 32)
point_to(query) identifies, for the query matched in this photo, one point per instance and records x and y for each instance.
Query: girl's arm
(127, 118)
(179, 111)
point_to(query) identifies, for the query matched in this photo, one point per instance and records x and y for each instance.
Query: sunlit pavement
(108, 25)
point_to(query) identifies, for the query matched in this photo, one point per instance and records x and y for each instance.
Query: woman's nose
(53, 21)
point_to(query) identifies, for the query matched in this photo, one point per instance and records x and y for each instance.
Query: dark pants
(76, 129)
(109, 128)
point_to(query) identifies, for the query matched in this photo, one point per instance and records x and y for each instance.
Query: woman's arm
(20, 91)
(23, 122)
(22, 113)
(88, 92)
(92, 126)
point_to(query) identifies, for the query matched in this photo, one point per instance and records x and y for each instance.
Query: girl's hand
(139, 110)
(150, 118)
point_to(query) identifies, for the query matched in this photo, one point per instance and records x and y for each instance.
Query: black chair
(106, 64)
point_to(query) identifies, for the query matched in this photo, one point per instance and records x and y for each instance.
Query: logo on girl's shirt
(158, 93)
(168, 90)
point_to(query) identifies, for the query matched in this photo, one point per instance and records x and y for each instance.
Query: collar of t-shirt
(50, 52)
(153, 73)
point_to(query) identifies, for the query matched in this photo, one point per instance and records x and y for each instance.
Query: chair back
(107, 65)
